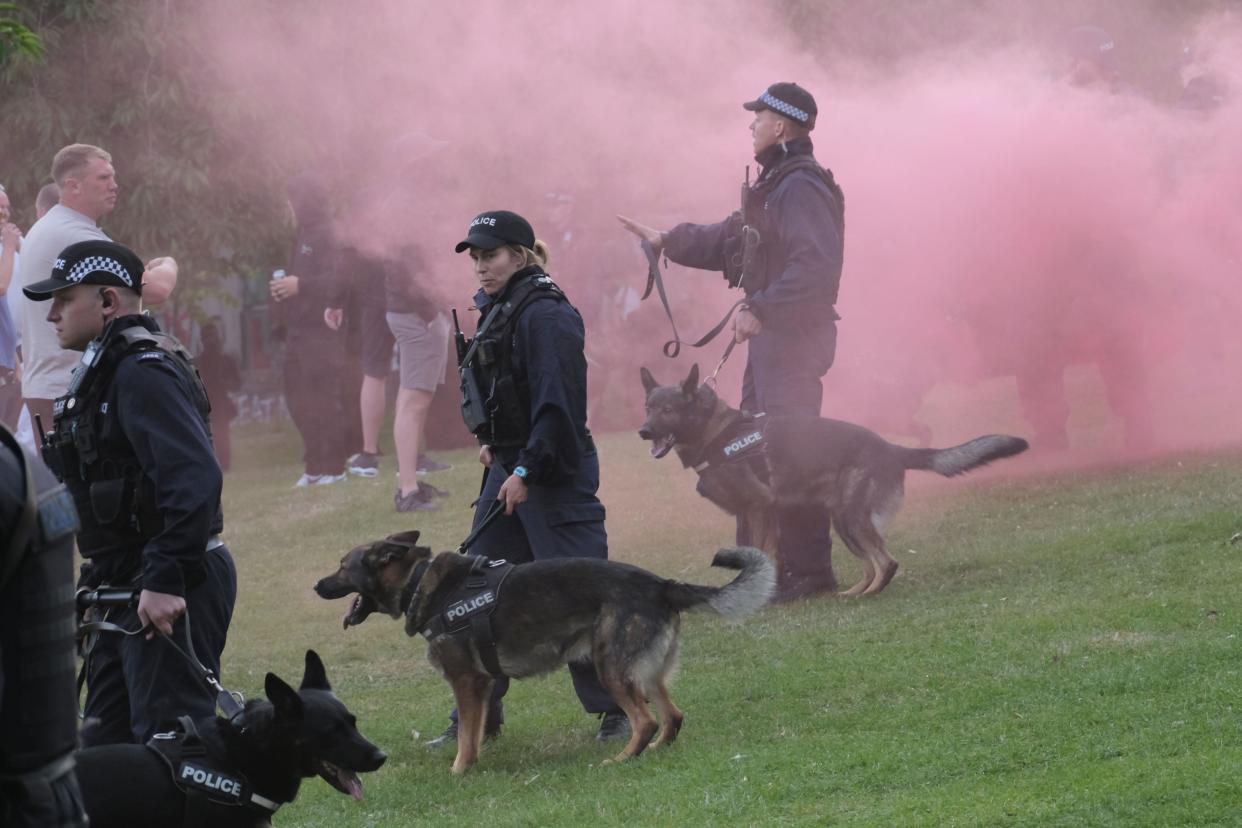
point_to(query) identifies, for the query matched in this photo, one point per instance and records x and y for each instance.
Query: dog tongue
(663, 447)
(351, 783)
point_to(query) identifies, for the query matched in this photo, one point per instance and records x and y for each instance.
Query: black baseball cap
(496, 228)
(95, 262)
(787, 99)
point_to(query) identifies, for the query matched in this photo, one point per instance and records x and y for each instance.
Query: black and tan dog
(239, 771)
(748, 466)
(545, 614)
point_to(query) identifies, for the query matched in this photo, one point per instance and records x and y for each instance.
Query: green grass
(1057, 650)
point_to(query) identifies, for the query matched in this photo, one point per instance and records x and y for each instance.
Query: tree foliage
(16, 40)
(129, 77)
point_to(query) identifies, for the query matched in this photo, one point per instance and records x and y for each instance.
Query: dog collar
(407, 593)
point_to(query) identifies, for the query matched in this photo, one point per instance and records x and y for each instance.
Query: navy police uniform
(132, 443)
(528, 359)
(38, 725)
(791, 288)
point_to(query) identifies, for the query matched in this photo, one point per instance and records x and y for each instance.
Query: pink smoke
(996, 217)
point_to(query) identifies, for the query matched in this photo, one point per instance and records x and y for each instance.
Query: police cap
(95, 262)
(789, 100)
(497, 228)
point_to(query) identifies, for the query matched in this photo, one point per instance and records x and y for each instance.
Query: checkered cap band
(96, 264)
(784, 108)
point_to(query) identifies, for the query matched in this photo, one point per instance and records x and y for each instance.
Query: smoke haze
(999, 221)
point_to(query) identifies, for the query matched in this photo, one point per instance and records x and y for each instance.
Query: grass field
(1057, 649)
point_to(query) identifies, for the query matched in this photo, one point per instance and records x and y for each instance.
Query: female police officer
(529, 413)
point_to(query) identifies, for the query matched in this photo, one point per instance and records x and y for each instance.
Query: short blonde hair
(71, 159)
(539, 255)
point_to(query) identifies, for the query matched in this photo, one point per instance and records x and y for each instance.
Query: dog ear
(410, 537)
(692, 382)
(286, 700)
(649, 382)
(315, 677)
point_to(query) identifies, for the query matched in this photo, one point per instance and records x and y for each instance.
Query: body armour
(495, 398)
(38, 696)
(110, 491)
(748, 229)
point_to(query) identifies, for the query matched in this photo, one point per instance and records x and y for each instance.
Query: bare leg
(371, 402)
(412, 406)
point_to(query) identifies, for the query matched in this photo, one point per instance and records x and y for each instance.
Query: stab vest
(108, 486)
(756, 217)
(488, 365)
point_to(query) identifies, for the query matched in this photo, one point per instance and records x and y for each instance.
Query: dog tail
(744, 595)
(961, 459)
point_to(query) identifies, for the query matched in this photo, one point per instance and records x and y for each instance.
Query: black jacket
(147, 413)
(550, 366)
(803, 247)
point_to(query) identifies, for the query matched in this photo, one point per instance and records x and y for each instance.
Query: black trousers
(784, 375)
(314, 370)
(565, 521)
(136, 687)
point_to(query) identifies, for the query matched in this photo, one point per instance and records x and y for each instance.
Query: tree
(15, 39)
(128, 77)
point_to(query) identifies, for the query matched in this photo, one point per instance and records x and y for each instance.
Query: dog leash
(230, 702)
(673, 347)
(493, 512)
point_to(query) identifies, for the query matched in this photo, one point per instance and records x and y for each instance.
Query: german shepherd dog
(858, 474)
(274, 744)
(623, 619)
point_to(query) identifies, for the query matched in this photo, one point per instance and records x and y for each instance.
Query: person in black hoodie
(540, 458)
(314, 351)
(790, 280)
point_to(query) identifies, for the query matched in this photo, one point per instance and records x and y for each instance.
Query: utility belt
(125, 567)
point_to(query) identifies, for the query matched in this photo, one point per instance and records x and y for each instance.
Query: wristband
(521, 472)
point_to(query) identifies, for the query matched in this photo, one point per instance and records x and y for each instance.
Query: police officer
(131, 441)
(784, 249)
(38, 725)
(528, 409)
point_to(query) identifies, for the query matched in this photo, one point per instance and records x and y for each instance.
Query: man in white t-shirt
(88, 192)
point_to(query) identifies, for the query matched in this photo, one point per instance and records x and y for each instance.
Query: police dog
(547, 613)
(272, 745)
(858, 474)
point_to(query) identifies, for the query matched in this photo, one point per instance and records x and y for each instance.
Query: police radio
(473, 410)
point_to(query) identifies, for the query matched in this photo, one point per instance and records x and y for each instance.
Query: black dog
(544, 614)
(260, 759)
(748, 466)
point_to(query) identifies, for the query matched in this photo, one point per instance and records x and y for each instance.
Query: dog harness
(466, 611)
(203, 778)
(742, 440)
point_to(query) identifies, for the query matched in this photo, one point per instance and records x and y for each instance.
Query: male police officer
(38, 725)
(132, 443)
(790, 270)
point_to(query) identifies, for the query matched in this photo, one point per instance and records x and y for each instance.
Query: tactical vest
(467, 610)
(110, 490)
(206, 780)
(756, 212)
(38, 729)
(744, 440)
(495, 399)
